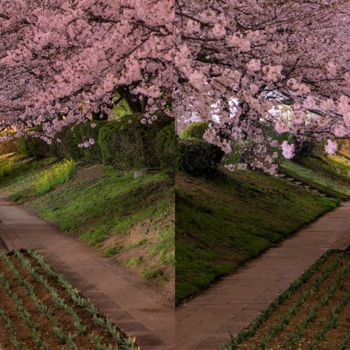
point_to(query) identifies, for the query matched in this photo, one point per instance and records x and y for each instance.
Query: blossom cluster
(87, 143)
(64, 63)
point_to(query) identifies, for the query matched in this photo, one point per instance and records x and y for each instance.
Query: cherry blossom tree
(245, 66)
(255, 65)
(65, 61)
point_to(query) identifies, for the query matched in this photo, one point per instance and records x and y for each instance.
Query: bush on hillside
(199, 158)
(166, 143)
(71, 137)
(129, 144)
(6, 167)
(106, 137)
(303, 150)
(56, 175)
(34, 147)
(125, 143)
(194, 131)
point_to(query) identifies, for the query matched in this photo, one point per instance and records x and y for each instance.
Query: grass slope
(329, 175)
(222, 223)
(130, 220)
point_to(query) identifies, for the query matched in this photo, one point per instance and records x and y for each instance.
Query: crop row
(100, 320)
(11, 330)
(42, 307)
(276, 329)
(26, 316)
(294, 337)
(64, 337)
(84, 303)
(332, 322)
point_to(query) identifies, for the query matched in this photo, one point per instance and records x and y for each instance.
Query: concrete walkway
(207, 321)
(135, 308)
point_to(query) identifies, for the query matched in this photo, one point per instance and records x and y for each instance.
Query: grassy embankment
(130, 220)
(222, 223)
(329, 175)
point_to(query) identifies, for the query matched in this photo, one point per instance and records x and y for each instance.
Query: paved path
(207, 321)
(135, 308)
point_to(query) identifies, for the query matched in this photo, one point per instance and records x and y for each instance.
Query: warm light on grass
(58, 174)
(6, 167)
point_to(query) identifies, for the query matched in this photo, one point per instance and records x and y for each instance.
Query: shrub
(128, 144)
(6, 167)
(106, 137)
(71, 137)
(194, 131)
(58, 174)
(197, 157)
(166, 143)
(68, 147)
(34, 147)
(303, 150)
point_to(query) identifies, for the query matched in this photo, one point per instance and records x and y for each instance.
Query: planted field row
(314, 313)
(42, 310)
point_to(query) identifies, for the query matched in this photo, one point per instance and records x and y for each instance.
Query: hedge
(125, 143)
(129, 144)
(194, 131)
(198, 157)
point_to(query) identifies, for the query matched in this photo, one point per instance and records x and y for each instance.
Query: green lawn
(222, 223)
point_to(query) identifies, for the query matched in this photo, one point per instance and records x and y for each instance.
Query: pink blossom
(219, 30)
(272, 73)
(254, 65)
(331, 147)
(299, 117)
(63, 62)
(197, 79)
(193, 26)
(346, 118)
(287, 150)
(239, 42)
(309, 102)
(281, 127)
(340, 131)
(331, 68)
(274, 143)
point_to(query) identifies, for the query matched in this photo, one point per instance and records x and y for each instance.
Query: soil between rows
(334, 337)
(23, 332)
